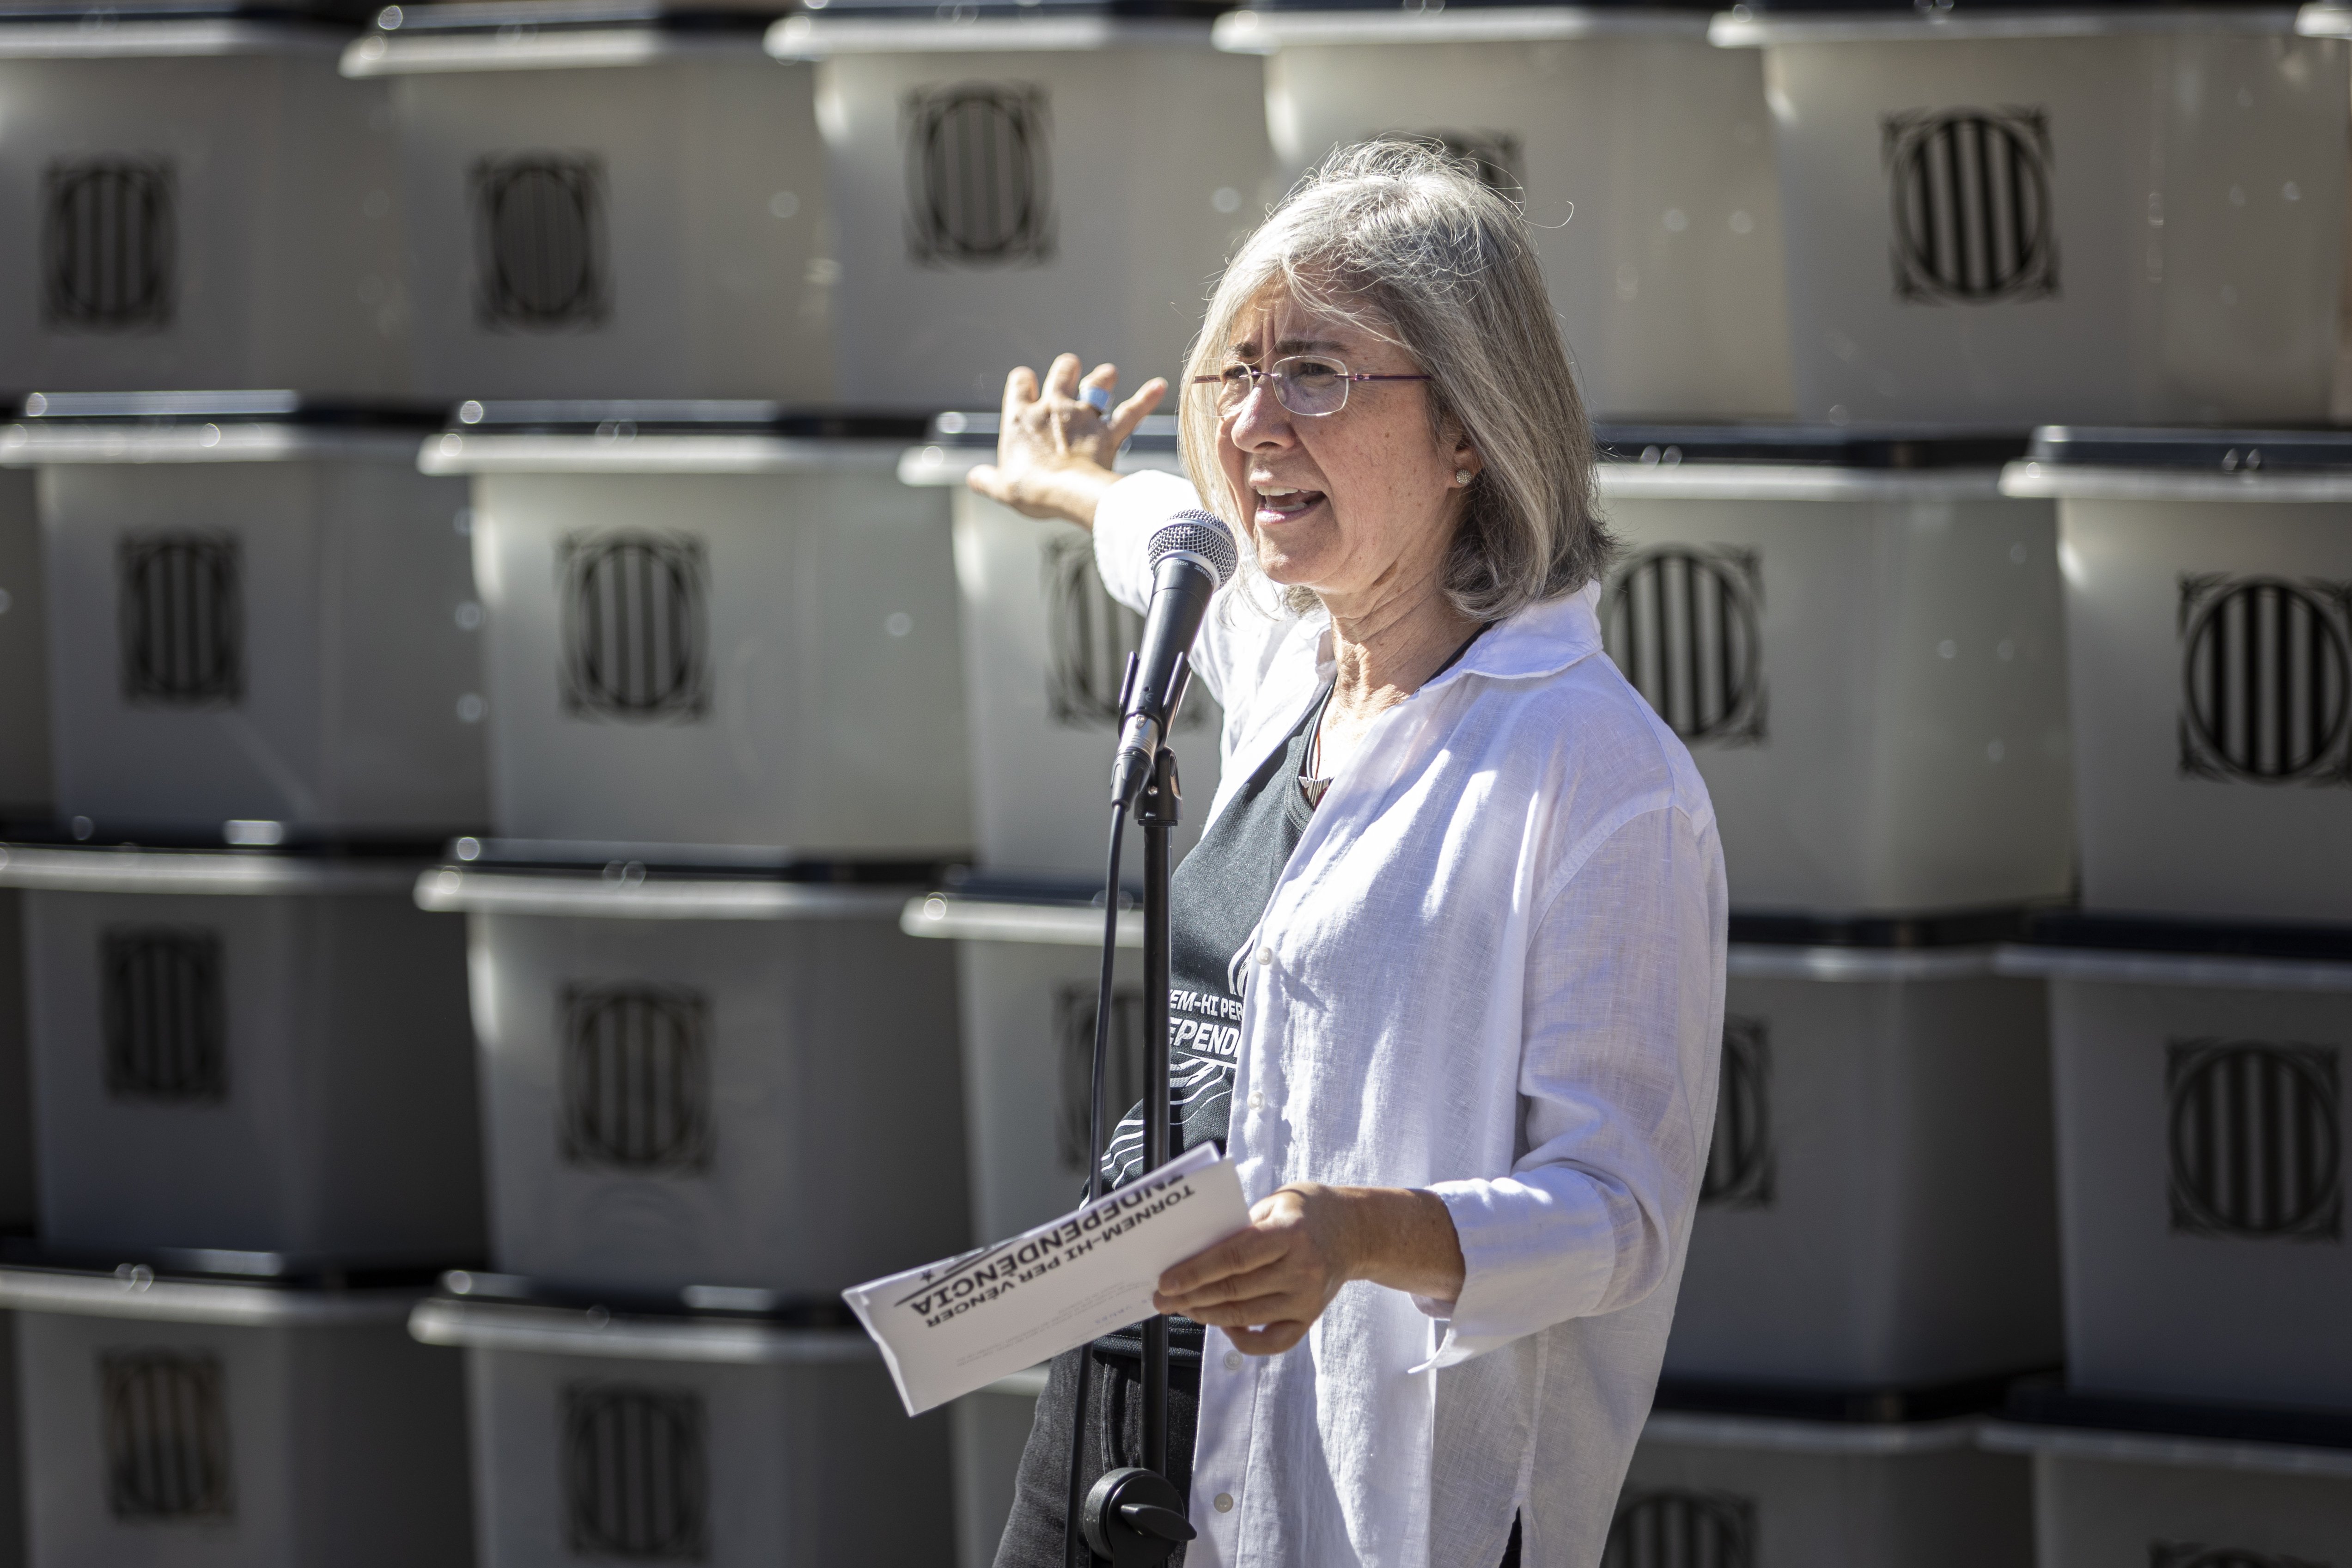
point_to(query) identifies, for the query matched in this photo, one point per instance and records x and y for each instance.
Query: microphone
(1192, 555)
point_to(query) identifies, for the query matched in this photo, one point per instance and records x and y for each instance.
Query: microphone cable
(1072, 1536)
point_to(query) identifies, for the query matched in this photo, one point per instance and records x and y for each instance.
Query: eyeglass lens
(1304, 384)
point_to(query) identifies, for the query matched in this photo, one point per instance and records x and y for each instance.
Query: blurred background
(547, 833)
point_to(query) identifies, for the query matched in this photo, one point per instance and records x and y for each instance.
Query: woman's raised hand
(1054, 447)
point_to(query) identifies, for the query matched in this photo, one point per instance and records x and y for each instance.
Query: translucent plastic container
(702, 1439)
(1786, 1494)
(606, 202)
(2172, 1500)
(714, 624)
(194, 198)
(24, 654)
(1859, 641)
(2209, 629)
(199, 1424)
(2096, 214)
(1011, 179)
(705, 1079)
(1029, 965)
(249, 1053)
(1878, 1209)
(267, 593)
(1045, 649)
(1643, 155)
(2201, 1117)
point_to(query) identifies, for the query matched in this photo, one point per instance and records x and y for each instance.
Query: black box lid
(653, 416)
(2192, 449)
(1819, 446)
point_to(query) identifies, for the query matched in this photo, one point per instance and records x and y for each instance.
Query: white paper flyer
(954, 1326)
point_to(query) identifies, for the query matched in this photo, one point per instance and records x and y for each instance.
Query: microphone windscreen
(1200, 534)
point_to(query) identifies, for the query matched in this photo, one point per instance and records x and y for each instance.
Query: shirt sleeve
(1128, 513)
(1124, 520)
(1623, 1023)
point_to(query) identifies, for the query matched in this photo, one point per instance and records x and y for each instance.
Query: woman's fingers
(1251, 1250)
(1019, 392)
(1062, 376)
(1257, 1311)
(1283, 1277)
(1130, 413)
(1272, 1340)
(991, 482)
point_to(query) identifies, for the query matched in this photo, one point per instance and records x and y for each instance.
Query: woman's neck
(1384, 649)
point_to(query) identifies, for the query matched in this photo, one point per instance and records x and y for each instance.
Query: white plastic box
(2105, 214)
(249, 1053)
(2201, 1117)
(1015, 180)
(710, 1081)
(208, 1425)
(1877, 1213)
(713, 624)
(195, 201)
(2133, 1500)
(269, 596)
(2209, 627)
(24, 654)
(1029, 968)
(1045, 649)
(606, 202)
(603, 1437)
(1860, 643)
(1729, 1492)
(1644, 157)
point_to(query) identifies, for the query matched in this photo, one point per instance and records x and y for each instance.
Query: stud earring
(1462, 476)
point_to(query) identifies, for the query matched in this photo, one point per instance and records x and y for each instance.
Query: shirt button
(1233, 1361)
(1264, 955)
(1225, 1502)
(1256, 1100)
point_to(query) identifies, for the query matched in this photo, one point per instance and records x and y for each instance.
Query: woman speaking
(1448, 962)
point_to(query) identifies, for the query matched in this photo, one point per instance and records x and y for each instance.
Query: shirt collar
(1542, 639)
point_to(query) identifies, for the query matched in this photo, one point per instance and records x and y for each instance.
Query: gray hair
(1399, 239)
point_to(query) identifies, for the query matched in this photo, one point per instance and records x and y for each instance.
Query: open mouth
(1276, 504)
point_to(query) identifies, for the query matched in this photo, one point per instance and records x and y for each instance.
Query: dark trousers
(1034, 1535)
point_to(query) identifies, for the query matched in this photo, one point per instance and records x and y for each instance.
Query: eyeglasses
(1311, 386)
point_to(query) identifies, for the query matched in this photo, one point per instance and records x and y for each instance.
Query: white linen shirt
(1493, 968)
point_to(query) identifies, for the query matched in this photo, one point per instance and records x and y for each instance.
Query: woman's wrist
(1076, 490)
(1400, 1238)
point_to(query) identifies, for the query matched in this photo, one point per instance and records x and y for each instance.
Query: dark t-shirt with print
(1217, 898)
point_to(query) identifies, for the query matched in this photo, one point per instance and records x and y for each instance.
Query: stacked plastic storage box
(1045, 650)
(250, 1053)
(2202, 1007)
(726, 741)
(1011, 178)
(24, 656)
(210, 1420)
(1858, 638)
(193, 199)
(1643, 155)
(24, 793)
(606, 201)
(2012, 213)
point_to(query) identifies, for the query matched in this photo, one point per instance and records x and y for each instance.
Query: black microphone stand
(1134, 1517)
